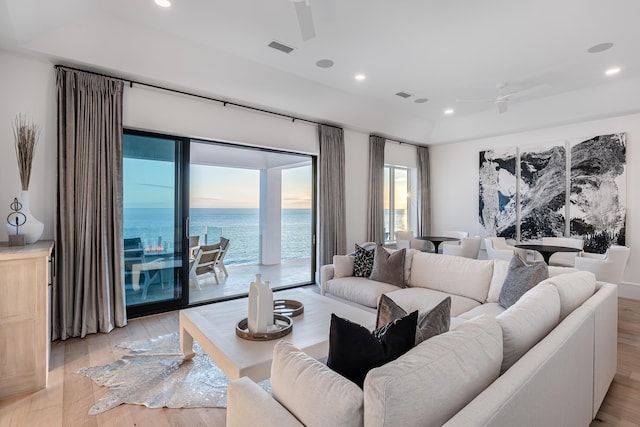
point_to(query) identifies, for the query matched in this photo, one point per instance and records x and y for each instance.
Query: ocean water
(155, 227)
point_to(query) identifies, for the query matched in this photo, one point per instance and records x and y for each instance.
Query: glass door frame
(181, 228)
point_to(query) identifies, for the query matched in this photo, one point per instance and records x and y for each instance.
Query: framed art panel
(597, 208)
(543, 191)
(497, 202)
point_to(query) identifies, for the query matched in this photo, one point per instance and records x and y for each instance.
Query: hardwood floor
(68, 397)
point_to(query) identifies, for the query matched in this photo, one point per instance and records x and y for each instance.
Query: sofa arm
(326, 274)
(248, 405)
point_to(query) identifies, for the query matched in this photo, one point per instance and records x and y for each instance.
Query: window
(397, 201)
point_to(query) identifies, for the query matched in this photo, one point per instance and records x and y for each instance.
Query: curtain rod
(195, 95)
(399, 142)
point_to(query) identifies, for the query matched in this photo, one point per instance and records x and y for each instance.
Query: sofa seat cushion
(452, 274)
(573, 289)
(492, 309)
(431, 382)
(527, 321)
(310, 390)
(359, 290)
(423, 299)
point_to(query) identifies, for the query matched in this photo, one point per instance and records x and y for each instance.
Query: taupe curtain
(333, 228)
(375, 198)
(424, 202)
(88, 295)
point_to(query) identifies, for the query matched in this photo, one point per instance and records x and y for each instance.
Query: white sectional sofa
(547, 360)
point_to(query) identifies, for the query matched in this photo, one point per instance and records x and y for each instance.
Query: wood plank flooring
(68, 397)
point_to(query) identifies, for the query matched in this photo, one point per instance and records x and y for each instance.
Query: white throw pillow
(574, 289)
(313, 393)
(527, 321)
(343, 266)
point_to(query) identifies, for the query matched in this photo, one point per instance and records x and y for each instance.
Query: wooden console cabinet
(24, 317)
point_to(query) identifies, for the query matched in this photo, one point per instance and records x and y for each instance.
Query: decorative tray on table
(283, 325)
(288, 307)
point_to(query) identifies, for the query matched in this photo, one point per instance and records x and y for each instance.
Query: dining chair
(498, 248)
(403, 239)
(468, 247)
(608, 267)
(451, 233)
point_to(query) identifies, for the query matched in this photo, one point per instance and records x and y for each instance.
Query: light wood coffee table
(213, 327)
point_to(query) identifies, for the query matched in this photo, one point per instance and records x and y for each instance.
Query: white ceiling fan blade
(524, 92)
(305, 19)
(474, 100)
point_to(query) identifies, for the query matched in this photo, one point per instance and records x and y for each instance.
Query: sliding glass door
(261, 202)
(201, 219)
(153, 222)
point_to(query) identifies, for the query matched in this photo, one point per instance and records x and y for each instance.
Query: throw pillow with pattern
(363, 262)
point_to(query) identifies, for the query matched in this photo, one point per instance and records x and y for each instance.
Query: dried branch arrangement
(26, 134)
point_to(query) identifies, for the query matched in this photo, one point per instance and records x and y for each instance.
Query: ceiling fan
(505, 94)
(305, 19)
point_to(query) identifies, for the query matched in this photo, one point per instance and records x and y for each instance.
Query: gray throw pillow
(363, 261)
(388, 268)
(431, 323)
(520, 278)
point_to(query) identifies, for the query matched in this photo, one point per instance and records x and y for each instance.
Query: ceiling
(440, 50)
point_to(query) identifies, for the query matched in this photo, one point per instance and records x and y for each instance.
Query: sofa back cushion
(434, 380)
(452, 274)
(343, 265)
(573, 289)
(313, 393)
(527, 321)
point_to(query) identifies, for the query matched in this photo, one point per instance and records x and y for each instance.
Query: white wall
(28, 87)
(454, 176)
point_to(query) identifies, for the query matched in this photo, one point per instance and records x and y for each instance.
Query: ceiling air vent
(280, 46)
(403, 94)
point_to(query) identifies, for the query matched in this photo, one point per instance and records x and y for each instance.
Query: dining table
(436, 240)
(547, 250)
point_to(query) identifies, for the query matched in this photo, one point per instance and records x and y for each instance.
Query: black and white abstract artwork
(542, 186)
(597, 207)
(497, 202)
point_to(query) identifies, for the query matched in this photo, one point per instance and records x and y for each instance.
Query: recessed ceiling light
(600, 47)
(360, 77)
(420, 100)
(448, 111)
(324, 63)
(163, 3)
(612, 71)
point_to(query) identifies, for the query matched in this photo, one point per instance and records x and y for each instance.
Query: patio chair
(208, 258)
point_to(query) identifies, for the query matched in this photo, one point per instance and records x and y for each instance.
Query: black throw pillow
(354, 351)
